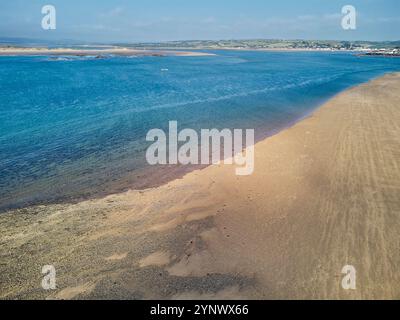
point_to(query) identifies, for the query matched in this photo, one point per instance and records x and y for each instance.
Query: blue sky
(162, 20)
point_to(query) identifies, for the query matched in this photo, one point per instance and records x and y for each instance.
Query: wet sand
(324, 194)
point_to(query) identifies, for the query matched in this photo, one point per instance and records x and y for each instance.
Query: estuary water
(75, 127)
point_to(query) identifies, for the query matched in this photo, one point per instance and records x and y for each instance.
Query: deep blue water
(77, 127)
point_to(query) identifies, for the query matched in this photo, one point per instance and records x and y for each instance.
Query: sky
(165, 20)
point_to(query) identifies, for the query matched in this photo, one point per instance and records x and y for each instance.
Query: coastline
(162, 51)
(148, 177)
(211, 234)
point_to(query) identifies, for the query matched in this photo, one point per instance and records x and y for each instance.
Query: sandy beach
(14, 51)
(324, 194)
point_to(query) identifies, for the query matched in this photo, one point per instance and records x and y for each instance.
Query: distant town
(391, 48)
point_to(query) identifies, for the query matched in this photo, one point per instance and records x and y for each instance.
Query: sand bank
(324, 194)
(92, 52)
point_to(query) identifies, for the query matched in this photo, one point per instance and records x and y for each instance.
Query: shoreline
(101, 51)
(142, 52)
(324, 194)
(159, 175)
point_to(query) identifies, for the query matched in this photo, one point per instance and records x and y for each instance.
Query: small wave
(58, 59)
(76, 58)
(242, 94)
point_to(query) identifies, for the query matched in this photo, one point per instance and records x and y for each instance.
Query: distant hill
(28, 42)
(217, 44)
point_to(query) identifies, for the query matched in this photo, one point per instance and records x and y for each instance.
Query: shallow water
(76, 127)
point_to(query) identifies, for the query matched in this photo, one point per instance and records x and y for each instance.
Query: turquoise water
(76, 127)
